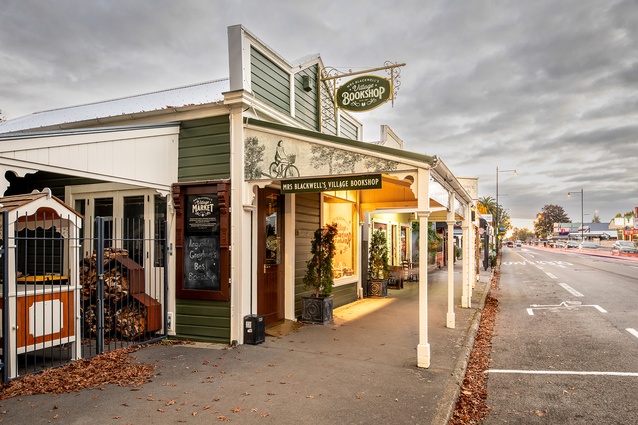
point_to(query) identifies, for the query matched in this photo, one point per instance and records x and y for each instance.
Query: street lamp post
(497, 213)
(582, 215)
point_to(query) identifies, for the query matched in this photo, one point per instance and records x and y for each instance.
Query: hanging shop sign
(370, 181)
(363, 93)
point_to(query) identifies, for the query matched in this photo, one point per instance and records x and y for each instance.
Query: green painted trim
(429, 160)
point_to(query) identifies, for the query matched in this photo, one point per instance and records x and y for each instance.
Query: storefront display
(341, 212)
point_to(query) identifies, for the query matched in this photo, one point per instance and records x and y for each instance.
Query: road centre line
(632, 331)
(571, 290)
(563, 372)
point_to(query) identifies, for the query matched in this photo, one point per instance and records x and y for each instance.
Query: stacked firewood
(130, 320)
(121, 312)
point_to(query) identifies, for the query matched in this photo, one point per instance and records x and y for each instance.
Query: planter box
(316, 309)
(377, 288)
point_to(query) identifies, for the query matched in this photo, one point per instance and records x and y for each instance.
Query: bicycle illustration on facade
(283, 166)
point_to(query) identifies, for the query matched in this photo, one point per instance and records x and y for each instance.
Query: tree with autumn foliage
(522, 234)
(549, 215)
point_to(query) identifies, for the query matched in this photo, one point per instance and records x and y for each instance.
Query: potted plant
(317, 307)
(378, 267)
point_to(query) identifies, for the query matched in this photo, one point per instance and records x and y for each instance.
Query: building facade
(244, 170)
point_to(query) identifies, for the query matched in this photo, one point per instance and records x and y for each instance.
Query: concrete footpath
(360, 370)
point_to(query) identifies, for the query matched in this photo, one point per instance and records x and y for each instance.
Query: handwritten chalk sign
(201, 263)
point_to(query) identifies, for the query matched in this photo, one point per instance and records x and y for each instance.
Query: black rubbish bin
(254, 329)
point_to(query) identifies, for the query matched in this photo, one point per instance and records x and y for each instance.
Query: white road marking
(563, 372)
(551, 275)
(571, 290)
(562, 305)
(633, 332)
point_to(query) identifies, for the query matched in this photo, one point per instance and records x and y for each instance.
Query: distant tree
(522, 234)
(549, 215)
(504, 222)
(627, 214)
(596, 219)
(1, 116)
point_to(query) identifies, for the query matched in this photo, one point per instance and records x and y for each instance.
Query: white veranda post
(423, 349)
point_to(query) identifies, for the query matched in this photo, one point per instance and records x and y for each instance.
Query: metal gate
(70, 292)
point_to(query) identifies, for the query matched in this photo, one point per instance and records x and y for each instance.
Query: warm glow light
(361, 308)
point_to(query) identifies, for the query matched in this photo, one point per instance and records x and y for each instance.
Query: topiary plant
(378, 259)
(319, 273)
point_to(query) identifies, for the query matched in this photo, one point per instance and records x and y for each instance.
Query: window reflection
(341, 213)
(273, 237)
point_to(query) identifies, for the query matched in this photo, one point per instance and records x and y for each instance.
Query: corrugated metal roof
(192, 95)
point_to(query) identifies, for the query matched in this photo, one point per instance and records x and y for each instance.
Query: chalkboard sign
(201, 240)
(201, 263)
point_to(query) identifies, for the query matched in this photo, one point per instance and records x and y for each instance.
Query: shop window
(104, 208)
(342, 213)
(404, 244)
(133, 227)
(160, 230)
(133, 220)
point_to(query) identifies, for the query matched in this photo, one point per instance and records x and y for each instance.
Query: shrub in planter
(378, 267)
(317, 308)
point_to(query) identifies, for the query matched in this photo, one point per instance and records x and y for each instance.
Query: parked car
(518, 244)
(587, 245)
(560, 244)
(571, 244)
(625, 247)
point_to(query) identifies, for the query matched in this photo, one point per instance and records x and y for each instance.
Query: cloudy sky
(546, 87)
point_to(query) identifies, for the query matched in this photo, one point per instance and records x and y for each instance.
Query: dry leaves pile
(115, 367)
(471, 406)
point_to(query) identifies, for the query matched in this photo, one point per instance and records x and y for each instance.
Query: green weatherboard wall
(204, 149)
(204, 154)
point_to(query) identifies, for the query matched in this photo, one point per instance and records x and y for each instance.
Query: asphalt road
(566, 339)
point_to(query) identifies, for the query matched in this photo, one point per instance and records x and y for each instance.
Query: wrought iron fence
(71, 292)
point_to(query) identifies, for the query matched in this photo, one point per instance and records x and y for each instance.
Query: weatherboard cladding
(203, 320)
(204, 149)
(306, 103)
(307, 208)
(270, 83)
(329, 126)
(348, 129)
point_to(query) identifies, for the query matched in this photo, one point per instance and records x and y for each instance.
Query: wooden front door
(270, 257)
